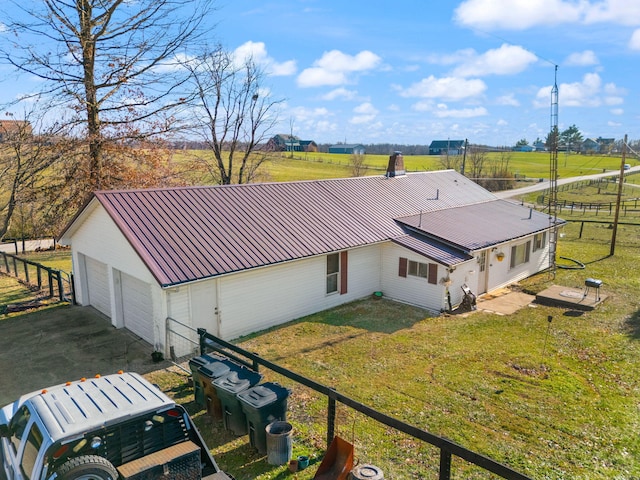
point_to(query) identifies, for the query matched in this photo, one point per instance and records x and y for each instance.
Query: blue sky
(413, 71)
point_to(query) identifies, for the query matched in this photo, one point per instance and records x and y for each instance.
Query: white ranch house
(238, 259)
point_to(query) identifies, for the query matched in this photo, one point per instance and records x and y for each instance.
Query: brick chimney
(396, 165)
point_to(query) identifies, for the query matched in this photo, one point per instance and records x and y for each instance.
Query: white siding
(412, 290)
(255, 300)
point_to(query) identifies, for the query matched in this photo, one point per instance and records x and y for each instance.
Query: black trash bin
(198, 387)
(227, 387)
(209, 373)
(262, 405)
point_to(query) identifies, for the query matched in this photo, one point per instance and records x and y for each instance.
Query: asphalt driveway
(64, 343)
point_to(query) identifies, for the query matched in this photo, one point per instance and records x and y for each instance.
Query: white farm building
(240, 258)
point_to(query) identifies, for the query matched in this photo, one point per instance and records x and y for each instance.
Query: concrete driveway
(64, 343)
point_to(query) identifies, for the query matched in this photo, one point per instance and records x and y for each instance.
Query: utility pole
(620, 183)
(464, 155)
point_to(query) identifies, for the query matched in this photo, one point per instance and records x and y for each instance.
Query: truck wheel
(88, 467)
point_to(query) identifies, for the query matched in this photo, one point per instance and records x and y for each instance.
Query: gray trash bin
(262, 405)
(227, 388)
(194, 365)
(279, 442)
(208, 374)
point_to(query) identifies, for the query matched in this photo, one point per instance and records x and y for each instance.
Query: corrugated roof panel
(478, 226)
(188, 233)
(437, 251)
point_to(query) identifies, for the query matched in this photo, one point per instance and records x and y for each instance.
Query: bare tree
(475, 164)
(358, 167)
(29, 150)
(232, 115)
(448, 161)
(112, 61)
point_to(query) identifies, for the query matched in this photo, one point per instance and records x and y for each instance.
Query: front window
(17, 426)
(333, 272)
(520, 254)
(539, 241)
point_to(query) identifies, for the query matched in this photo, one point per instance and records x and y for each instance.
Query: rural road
(536, 187)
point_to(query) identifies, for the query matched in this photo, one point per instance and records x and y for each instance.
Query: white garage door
(98, 286)
(137, 309)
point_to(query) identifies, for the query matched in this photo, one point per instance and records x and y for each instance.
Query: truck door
(23, 446)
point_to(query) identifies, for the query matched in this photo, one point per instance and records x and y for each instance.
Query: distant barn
(347, 148)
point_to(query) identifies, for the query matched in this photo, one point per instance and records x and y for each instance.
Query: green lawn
(552, 399)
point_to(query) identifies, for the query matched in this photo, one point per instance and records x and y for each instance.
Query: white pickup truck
(117, 426)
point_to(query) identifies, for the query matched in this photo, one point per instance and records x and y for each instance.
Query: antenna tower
(553, 177)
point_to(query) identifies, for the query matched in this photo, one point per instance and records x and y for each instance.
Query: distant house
(236, 259)
(347, 148)
(539, 146)
(590, 145)
(290, 143)
(523, 148)
(598, 145)
(446, 147)
(10, 128)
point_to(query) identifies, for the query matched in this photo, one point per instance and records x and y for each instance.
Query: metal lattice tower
(553, 177)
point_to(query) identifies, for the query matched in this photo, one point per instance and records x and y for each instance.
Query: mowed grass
(552, 399)
(283, 166)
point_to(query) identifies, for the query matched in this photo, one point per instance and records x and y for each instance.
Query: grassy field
(315, 165)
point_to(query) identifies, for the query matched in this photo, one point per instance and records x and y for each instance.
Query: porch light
(500, 256)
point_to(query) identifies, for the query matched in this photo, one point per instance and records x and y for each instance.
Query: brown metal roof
(479, 226)
(188, 233)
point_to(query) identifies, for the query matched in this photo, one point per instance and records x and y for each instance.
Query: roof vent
(396, 165)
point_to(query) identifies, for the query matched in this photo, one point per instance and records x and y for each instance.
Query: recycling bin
(227, 388)
(262, 405)
(210, 372)
(194, 364)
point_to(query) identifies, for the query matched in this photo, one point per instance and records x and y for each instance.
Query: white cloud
(506, 60)
(587, 93)
(446, 88)
(502, 123)
(508, 100)
(613, 124)
(334, 67)
(582, 59)
(444, 112)
(341, 93)
(524, 14)
(617, 111)
(366, 113)
(257, 52)
(634, 41)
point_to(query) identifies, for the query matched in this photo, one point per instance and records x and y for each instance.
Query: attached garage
(98, 293)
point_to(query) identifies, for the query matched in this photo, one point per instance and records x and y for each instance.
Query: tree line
(119, 81)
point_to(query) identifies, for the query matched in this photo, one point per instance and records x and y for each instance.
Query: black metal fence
(50, 281)
(408, 434)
